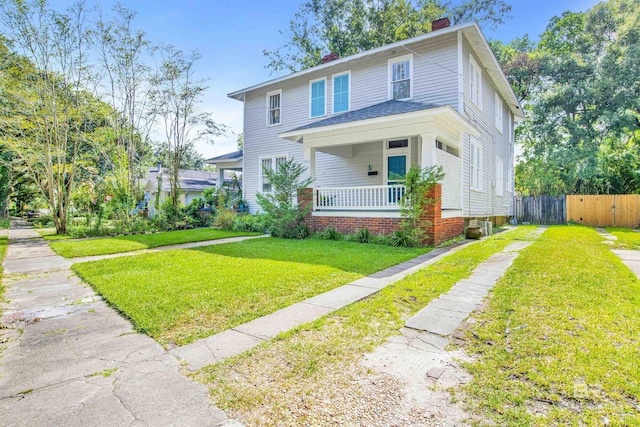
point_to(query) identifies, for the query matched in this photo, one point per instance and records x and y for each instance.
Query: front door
(396, 170)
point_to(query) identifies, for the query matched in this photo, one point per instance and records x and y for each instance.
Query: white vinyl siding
(341, 92)
(499, 177)
(499, 113)
(267, 163)
(274, 107)
(318, 97)
(476, 166)
(400, 77)
(475, 82)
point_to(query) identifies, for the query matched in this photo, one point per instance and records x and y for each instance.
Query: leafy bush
(362, 235)
(284, 215)
(225, 219)
(250, 223)
(329, 233)
(417, 182)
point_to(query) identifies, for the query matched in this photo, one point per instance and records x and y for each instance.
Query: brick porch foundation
(439, 229)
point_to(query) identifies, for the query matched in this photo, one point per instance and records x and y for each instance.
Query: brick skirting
(438, 229)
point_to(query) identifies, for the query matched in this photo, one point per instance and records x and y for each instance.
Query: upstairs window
(499, 113)
(267, 164)
(475, 82)
(318, 92)
(400, 75)
(274, 102)
(475, 180)
(341, 90)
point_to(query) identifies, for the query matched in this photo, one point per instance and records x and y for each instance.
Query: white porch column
(310, 157)
(428, 157)
(220, 175)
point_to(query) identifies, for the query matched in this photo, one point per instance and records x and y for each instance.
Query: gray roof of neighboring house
(189, 180)
(229, 157)
(387, 108)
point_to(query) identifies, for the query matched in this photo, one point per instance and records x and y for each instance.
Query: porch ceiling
(444, 122)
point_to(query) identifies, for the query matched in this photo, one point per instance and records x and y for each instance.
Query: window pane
(402, 89)
(317, 98)
(341, 93)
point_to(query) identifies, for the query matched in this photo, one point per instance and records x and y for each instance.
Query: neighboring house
(227, 165)
(192, 183)
(356, 122)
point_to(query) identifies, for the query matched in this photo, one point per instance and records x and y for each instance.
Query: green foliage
(225, 219)
(346, 27)
(580, 90)
(329, 233)
(284, 215)
(418, 181)
(362, 235)
(252, 223)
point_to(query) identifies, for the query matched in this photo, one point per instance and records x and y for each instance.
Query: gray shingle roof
(189, 180)
(388, 108)
(236, 155)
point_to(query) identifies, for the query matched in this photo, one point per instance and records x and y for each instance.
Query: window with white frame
(274, 107)
(318, 96)
(499, 177)
(400, 76)
(475, 162)
(341, 92)
(499, 113)
(267, 164)
(475, 82)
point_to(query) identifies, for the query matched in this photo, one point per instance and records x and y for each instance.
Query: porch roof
(380, 121)
(384, 109)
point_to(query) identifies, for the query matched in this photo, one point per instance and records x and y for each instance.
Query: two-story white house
(359, 122)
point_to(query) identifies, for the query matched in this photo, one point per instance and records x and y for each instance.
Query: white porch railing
(374, 197)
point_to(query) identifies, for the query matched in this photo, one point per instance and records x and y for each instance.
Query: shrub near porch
(179, 296)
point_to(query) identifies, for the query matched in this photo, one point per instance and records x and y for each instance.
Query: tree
(49, 121)
(123, 55)
(346, 27)
(284, 215)
(175, 99)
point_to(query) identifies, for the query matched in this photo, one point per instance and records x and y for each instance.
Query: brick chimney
(330, 57)
(440, 24)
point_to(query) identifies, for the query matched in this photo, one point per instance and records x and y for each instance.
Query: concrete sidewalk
(72, 360)
(629, 257)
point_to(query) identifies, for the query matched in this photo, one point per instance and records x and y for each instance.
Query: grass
(113, 245)
(179, 296)
(559, 341)
(627, 238)
(4, 223)
(288, 381)
(4, 241)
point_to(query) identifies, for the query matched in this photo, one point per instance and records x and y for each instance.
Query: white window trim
(499, 177)
(475, 185)
(511, 128)
(269, 94)
(499, 113)
(390, 63)
(474, 69)
(273, 164)
(348, 73)
(311, 82)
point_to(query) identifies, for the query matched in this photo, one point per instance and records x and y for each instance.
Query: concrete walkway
(71, 360)
(248, 335)
(629, 257)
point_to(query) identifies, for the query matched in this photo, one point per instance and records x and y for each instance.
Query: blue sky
(231, 36)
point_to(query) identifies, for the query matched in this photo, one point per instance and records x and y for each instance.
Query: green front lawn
(3, 252)
(559, 343)
(183, 295)
(113, 245)
(627, 238)
(289, 380)
(4, 223)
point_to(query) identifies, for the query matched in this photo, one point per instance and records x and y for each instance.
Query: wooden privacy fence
(620, 210)
(540, 210)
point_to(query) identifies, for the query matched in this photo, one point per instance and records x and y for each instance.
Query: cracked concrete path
(418, 356)
(629, 257)
(70, 360)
